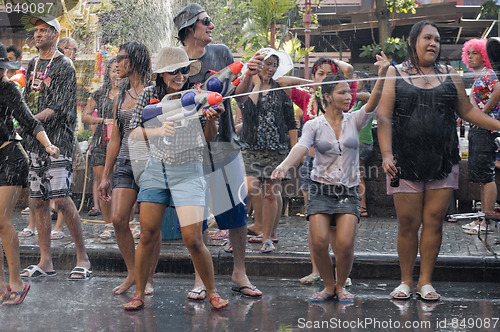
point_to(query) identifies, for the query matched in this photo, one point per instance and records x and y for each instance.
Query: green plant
(489, 10)
(83, 135)
(392, 47)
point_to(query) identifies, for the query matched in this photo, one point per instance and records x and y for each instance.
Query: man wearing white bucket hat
(225, 175)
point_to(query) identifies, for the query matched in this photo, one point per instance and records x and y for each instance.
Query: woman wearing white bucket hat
(268, 132)
(173, 173)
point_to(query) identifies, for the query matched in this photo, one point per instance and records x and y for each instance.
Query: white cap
(49, 19)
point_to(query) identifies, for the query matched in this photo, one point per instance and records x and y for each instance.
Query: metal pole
(307, 22)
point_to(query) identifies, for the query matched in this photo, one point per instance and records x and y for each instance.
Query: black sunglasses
(206, 21)
(183, 71)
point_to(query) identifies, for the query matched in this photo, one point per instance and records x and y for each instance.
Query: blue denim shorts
(124, 175)
(175, 185)
(333, 199)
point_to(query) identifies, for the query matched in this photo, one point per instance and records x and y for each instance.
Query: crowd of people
(200, 164)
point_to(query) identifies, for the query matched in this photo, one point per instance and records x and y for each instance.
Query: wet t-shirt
(424, 139)
(54, 88)
(216, 58)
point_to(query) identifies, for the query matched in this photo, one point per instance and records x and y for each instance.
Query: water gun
(191, 103)
(225, 81)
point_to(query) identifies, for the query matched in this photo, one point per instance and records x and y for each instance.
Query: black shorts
(14, 165)
(481, 156)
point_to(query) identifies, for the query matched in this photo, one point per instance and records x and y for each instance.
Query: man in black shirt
(51, 95)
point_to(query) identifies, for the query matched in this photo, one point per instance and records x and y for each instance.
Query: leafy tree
(394, 48)
(383, 11)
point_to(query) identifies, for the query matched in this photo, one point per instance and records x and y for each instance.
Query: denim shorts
(124, 175)
(98, 155)
(14, 165)
(481, 156)
(174, 185)
(333, 199)
(305, 172)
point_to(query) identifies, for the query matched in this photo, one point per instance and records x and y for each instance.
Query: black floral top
(266, 125)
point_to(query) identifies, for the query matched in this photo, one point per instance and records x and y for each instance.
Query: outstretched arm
(383, 65)
(293, 159)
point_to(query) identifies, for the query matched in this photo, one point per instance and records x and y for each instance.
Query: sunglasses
(205, 21)
(183, 71)
(120, 57)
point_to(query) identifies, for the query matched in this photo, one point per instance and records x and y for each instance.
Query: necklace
(312, 103)
(38, 85)
(137, 94)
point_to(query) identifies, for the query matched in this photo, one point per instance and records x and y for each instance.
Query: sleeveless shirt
(425, 142)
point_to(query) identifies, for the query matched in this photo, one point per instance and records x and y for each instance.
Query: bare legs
(190, 218)
(342, 245)
(413, 210)
(9, 238)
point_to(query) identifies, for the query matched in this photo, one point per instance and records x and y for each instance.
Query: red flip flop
(17, 297)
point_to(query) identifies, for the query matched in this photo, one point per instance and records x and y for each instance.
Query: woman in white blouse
(333, 205)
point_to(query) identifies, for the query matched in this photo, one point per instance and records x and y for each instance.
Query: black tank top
(425, 142)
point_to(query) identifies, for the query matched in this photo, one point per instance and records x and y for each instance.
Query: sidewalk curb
(366, 266)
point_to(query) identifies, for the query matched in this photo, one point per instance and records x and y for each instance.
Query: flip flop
(199, 291)
(427, 290)
(269, 247)
(242, 288)
(80, 271)
(252, 233)
(56, 235)
(401, 289)
(345, 296)
(27, 232)
(17, 297)
(35, 272)
(318, 297)
(131, 305)
(216, 299)
(310, 279)
(227, 246)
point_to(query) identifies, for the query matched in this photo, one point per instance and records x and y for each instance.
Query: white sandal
(108, 232)
(401, 289)
(27, 232)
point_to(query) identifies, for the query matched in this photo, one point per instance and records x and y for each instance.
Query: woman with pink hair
(485, 95)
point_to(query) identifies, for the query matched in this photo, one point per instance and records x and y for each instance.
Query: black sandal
(364, 213)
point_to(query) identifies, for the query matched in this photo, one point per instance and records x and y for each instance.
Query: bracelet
(49, 145)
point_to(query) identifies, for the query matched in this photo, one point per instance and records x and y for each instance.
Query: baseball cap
(187, 16)
(49, 19)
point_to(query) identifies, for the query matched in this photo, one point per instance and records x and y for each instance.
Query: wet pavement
(462, 257)
(56, 304)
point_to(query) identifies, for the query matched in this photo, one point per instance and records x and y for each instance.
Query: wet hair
(322, 61)
(139, 59)
(183, 33)
(17, 52)
(480, 46)
(107, 85)
(412, 59)
(363, 75)
(328, 88)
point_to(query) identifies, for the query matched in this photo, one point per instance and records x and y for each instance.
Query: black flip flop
(240, 290)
